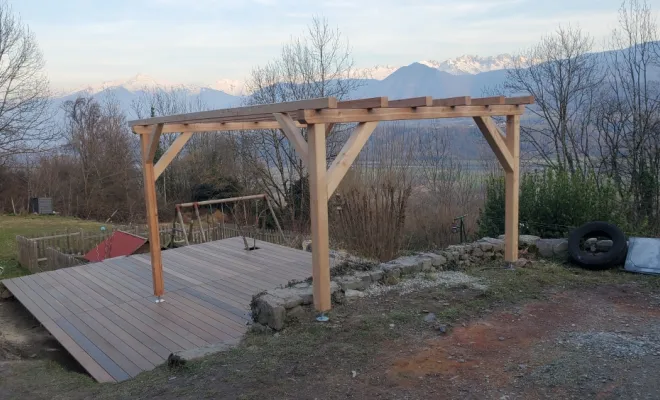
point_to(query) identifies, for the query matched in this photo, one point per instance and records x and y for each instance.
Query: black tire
(614, 256)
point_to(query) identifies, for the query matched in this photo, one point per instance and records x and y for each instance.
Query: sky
(87, 42)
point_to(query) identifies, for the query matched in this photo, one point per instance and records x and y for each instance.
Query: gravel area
(619, 345)
(427, 280)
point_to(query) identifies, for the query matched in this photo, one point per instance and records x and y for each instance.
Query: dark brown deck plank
(221, 314)
(189, 323)
(76, 298)
(148, 330)
(226, 326)
(81, 355)
(93, 299)
(216, 299)
(52, 290)
(37, 299)
(128, 336)
(122, 280)
(109, 285)
(99, 290)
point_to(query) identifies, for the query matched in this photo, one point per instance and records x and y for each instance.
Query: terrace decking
(104, 313)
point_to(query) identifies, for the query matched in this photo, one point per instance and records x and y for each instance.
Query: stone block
(551, 248)
(528, 240)
(290, 296)
(486, 246)
(390, 270)
(477, 252)
(464, 257)
(604, 245)
(353, 294)
(269, 310)
(295, 314)
(350, 283)
(180, 358)
(408, 265)
(437, 260)
(376, 275)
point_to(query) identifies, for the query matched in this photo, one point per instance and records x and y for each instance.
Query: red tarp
(118, 244)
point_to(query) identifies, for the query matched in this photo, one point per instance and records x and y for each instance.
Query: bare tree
(628, 122)
(24, 92)
(564, 78)
(317, 64)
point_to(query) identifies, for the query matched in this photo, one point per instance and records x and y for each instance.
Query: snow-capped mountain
(469, 64)
(379, 72)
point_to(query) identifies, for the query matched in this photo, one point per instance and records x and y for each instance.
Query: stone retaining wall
(273, 308)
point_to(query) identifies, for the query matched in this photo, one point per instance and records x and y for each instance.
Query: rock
(408, 265)
(365, 276)
(296, 314)
(485, 246)
(269, 310)
(441, 328)
(521, 263)
(437, 260)
(551, 248)
(477, 252)
(527, 240)
(350, 283)
(430, 317)
(390, 270)
(501, 338)
(338, 297)
(5, 294)
(353, 294)
(290, 297)
(307, 245)
(498, 244)
(604, 245)
(180, 358)
(426, 262)
(376, 275)
(590, 241)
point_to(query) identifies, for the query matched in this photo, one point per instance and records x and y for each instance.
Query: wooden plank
(165, 319)
(207, 301)
(519, 100)
(214, 127)
(72, 282)
(70, 305)
(81, 355)
(107, 283)
(214, 298)
(294, 135)
(105, 362)
(226, 200)
(203, 320)
(111, 336)
(171, 152)
(130, 336)
(217, 115)
(348, 154)
(512, 189)
(261, 259)
(82, 300)
(45, 295)
(373, 102)
(453, 101)
(425, 101)
(152, 220)
(145, 326)
(488, 101)
(394, 114)
(38, 300)
(318, 189)
(159, 313)
(496, 141)
(109, 295)
(216, 314)
(154, 142)
(117, 357)
(119, 279)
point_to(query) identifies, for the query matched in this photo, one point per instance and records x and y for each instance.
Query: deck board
(104, 313)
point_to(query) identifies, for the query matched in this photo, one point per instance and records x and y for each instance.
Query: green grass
(10, 226)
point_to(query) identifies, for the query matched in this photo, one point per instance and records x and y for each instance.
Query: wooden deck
(105, 315)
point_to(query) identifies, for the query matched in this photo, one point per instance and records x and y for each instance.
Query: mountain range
(465, 75)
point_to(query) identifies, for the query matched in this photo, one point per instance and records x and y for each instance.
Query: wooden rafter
(374, 102)
(453, 101)
(348, 154)
(294, 135)
(394, 114)
(412, 102)
(212, 127)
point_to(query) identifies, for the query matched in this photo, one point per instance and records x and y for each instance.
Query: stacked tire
(614, 256)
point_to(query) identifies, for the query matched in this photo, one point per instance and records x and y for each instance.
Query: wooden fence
(66, 248)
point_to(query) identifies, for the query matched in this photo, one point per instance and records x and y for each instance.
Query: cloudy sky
(199, 41)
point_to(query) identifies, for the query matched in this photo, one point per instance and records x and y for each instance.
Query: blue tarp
(643, 255)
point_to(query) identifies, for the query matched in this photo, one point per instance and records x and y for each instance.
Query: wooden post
(152, 211)
(318, 190)
(199, 221)
(512, 182)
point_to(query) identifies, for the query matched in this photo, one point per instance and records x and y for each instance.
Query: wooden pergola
(319, 116)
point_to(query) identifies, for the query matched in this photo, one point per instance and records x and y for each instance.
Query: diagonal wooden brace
(348, 154)
(292, 132)
(496, 141)
(171, 152)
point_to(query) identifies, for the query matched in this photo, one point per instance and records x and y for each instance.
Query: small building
(118, 244)
(41, 205)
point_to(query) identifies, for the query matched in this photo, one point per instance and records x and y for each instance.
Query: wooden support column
(512, 183)
(148, 150)
(318, 188)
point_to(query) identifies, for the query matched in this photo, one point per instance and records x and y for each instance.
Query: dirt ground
(544, 332)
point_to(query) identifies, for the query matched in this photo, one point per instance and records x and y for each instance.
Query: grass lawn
(10, 226)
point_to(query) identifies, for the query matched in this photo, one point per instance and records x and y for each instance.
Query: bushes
(551, 202)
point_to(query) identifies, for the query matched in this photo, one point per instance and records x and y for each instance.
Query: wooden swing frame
(318, 116)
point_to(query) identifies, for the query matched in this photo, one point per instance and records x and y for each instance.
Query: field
(10, 226)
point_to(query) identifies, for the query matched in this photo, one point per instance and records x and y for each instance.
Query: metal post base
(159, 300)
(322, 318)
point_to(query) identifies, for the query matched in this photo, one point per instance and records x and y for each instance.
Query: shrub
(551, 203)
